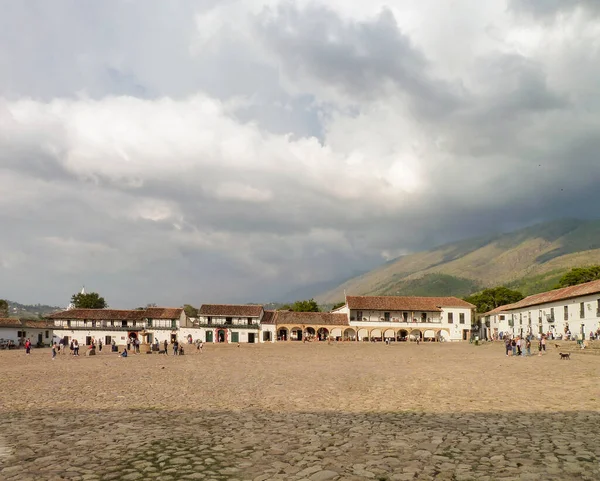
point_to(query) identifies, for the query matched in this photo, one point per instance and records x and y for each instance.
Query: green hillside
(530, 260)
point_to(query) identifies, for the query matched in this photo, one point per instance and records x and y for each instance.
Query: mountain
(530, 260)
(30, 311)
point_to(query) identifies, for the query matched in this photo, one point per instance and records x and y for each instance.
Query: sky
(235, 150)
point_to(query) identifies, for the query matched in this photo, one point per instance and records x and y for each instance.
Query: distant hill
(530, 260)
(30, 311)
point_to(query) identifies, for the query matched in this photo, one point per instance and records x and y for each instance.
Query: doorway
(267, 336)
(251, 338)
(221, 335)
(465, 335)
(235, 337)
(209, 336)
(40, 338)
(173, 338)
(88, 340)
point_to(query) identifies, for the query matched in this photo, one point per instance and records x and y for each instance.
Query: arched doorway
(349, 335)
(389, 334)
(376, 335)
(221, 335)
(310, 333)
(429, 335)
(322, 334)
(282, 334)
(414, 335)
(296, 334)
(403, 335)
(443, 335)
(336, 334)
(363, 335)
(132, 335)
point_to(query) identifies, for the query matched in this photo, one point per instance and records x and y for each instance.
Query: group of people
(521, 346)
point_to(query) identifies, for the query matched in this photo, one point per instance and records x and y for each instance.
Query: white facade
(579, 315)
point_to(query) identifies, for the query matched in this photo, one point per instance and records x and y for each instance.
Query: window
(134, 323)
(581, 310)
(502, 317)
(405, 316)
(123, 323)
(249, 320)
(107, 340)
(552, 314)
(209, 320)
(461, 318)
(423, 317)
(386, 316)
(228, 320)
(598, 309)
(450, 318)
(173, 323)
(521, 318)
(68, 323)
(529, 316)
(566, 312)
(540, 317)
(149, 322)
(359, 315)
(20, 333)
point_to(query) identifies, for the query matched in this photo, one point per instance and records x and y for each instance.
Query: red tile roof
(163, 312)
(396, 303)
(13, 322)
(268, 317)
(557, 295)
(311, 318)
(100, 314)
(232, 310)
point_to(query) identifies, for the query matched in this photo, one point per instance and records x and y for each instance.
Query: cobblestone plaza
(314, 411)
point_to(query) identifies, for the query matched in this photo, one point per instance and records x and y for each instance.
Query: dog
(565, 356)
(556, 346)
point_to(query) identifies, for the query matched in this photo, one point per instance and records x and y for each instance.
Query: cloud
(234, 151)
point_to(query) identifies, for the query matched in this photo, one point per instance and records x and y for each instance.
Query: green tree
(3, 308)
(338, 305)
(190, 311)
(489, 299)
(305, 306)
(579, 275)
(89, 300)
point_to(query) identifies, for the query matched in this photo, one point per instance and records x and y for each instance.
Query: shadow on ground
(150, 444)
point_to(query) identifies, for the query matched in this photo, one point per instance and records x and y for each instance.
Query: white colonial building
(571, 311)
(39, 332)
(232, 323)
(409, 318)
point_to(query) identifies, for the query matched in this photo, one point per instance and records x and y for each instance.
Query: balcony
(223, 325)
(99, 328)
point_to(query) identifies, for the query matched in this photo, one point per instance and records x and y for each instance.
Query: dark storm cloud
(162, 152)
(361, 58)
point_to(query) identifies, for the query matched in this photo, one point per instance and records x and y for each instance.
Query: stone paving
(301, 412)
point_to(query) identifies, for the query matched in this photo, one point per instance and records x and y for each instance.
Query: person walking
(543, 343)
(166, 348)
(175, 347)
(513, 345)
(519, 350)
(528, 346)
(76, 348)
(27, 347)
(99, 345)
(507, 346)
(54, 346)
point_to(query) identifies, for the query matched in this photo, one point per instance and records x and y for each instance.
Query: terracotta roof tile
(100, 314)
(311, 318)
(163, 312)
(232, 310)
(557, 295)
(10, 322)
(397, 303)
(268, 317)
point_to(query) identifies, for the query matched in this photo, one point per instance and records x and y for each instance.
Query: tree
(579, 275)
(305, 306)
(3, 308)
(338, 305)
(88, 300)
(190, 311)
(489, 299)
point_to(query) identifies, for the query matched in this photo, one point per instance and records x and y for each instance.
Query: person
(513, 345)
(54, 346)
(543, 343)
(528, 346)
(519, 350)
(27, 347)
(128, 343)
(124, 353)
(100, 345)
(201, 346)
(175, 347)
(137, 345)
(71, 347)
(166, 347)
(75, 348)
(540, 347)
(507, 346)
